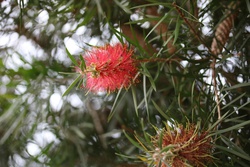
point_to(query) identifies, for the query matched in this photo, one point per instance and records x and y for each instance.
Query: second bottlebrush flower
(108, 68)
(179, 146)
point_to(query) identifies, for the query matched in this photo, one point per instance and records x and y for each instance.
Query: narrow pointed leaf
(177, 29)
(71, 57)
(72, 85)
(83, 65)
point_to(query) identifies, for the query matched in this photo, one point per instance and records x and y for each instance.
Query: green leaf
(83, 65)
(232, 145)
(177, 29)
(160, 21)
(165, 149)
(90, 14)
(134, 99)
(145, 134)
(237, 86)
(123, 5)
(15, 125)
(72, 85)
(152, 4)
(78, 132)
(160, 111)
(235, 127)
(248, 5)
(145, 94)
(234, 100)
(147, 73)
(244, 156)
(71, 57)
(112, 112)
(135, 143)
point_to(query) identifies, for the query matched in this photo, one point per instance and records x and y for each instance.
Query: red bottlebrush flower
(181, 147)
(109, 68)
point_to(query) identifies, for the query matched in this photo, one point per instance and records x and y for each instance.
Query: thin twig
(216, 92)
(189, 25)
(220, 39)
(214, 56)
(97, 123)
(157, 60)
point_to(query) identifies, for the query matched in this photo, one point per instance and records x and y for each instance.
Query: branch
(220, 39)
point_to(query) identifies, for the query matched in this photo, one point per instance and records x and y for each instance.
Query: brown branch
(213, 61)
(161, 29)
(97, 123)
(158, 60)
(220, 39)
(197, 36)
(216, 92)
(136, 35)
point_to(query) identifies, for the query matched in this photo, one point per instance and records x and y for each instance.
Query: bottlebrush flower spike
(109, 68)
(180, 147)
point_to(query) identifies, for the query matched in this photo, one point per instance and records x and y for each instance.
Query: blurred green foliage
(87, 130)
